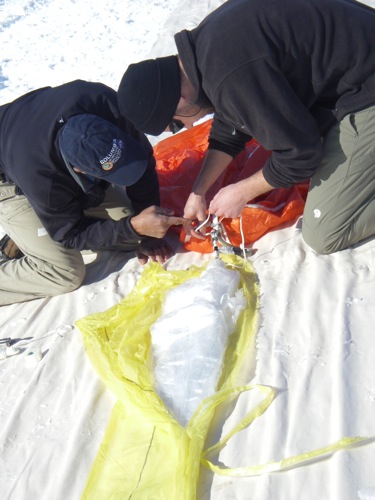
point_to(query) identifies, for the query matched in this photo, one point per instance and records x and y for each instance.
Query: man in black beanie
(74, 175)
(298, 76)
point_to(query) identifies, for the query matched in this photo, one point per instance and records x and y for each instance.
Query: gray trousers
(340, 207)
(47, 268)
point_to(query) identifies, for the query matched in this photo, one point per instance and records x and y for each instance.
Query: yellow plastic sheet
(145, 453)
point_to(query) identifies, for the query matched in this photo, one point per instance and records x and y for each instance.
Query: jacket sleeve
(145, 192)
(64, 219)
(226, 138)
(95, 234)
(267, 106)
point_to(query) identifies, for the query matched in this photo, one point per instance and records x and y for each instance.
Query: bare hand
(154, 249)
(229, 201)
(155, 221)
(195, 209)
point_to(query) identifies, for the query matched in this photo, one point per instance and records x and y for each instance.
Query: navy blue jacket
(30, 157)
(281, 71)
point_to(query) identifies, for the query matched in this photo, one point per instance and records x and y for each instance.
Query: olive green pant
(47, 268)
(340, 207)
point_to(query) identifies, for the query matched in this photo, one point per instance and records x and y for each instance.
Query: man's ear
(187, 90)
(182, 104)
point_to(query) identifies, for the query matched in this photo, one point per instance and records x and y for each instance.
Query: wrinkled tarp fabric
(178, 161)
(145, 453)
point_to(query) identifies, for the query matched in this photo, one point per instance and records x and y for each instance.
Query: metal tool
(215, 233)
(219, 239)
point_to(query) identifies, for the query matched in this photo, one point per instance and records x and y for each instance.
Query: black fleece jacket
(283, 72)
(30, 157)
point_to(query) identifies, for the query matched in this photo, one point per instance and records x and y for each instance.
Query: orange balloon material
(178, 161)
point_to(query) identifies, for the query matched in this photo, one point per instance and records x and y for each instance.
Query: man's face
(186, 117)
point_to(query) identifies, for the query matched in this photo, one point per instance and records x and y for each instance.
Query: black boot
(8, 249)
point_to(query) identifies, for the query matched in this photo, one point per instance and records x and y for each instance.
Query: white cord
(60, 331)
(242, 245)
(215, 225)
(7, 350)
(203, 223)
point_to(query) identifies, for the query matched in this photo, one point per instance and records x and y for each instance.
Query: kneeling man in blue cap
(74, 175)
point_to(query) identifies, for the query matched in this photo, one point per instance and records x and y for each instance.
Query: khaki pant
(47, 268)
(340, 207)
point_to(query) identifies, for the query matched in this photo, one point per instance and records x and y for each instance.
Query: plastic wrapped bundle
(190, 337)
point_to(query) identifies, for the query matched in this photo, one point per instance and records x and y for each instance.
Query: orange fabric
(178, 161)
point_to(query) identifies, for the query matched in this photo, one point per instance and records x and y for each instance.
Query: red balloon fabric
(178, 161)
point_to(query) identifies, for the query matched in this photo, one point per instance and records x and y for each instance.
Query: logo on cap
(114, 155)
(107, 165)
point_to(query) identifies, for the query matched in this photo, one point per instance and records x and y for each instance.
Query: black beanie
(149, 93)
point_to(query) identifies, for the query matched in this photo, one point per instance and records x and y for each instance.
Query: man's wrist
(131, 229)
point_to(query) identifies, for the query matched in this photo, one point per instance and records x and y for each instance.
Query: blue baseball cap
(100, 149)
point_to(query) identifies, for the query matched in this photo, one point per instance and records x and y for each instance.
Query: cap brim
(84, 182)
